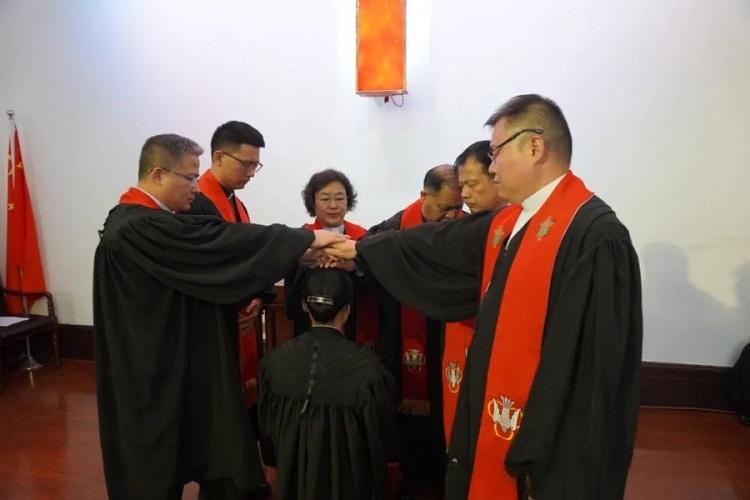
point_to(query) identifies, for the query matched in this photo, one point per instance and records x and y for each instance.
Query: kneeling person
(326, 405)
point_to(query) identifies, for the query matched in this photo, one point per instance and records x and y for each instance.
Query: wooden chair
(34, 325)
(277, 328)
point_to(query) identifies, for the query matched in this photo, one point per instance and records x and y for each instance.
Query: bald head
(441, 196)
(439, 176)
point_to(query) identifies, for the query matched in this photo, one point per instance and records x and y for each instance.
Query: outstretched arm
(435, 267)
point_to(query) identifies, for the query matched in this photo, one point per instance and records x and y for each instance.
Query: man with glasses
(166, 286)
(548, 400)
(235, 159)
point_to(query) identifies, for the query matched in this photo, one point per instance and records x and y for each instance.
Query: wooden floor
(49, 446)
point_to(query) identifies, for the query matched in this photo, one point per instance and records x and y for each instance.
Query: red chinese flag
(23, 269)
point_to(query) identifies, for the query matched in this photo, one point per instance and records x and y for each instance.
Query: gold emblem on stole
(544, 228)
(498, 237)
(414, 360)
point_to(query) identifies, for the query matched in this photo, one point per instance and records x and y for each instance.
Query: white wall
(657, 95)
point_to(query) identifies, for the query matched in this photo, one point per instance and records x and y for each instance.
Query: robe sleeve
(211, 259)
(579, 425)
(392, 223)
(435, 268)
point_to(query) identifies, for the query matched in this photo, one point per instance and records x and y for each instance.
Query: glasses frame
(495, 150)
(256, 166)
(192, 179)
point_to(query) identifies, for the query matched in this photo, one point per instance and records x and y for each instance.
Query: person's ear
(422, 194)
(537, 146)
(156, 174)
(216, 156)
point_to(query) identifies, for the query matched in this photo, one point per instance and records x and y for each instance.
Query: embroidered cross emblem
(498, 237)
(544, 228)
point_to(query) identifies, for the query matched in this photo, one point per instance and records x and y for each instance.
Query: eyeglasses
(252, 165)
(494, 151)
(192, 179)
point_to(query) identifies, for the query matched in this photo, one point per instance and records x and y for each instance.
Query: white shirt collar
(337, 229)
(531, 205)
(534, 202)
(158, 202)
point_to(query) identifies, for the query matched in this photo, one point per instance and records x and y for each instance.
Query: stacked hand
(325, 238)
(342, 250)
(331, 250)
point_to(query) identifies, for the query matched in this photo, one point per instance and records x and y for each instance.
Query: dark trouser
(421, 456)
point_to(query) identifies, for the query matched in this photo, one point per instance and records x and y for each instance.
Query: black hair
(165, 150)
(320, 180)
(232, 135)
(480, 151)
(439, 176)
(535, 111)
(326, 292)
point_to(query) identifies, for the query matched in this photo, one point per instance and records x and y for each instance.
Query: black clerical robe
(166, 288)
(214, 199)
(326, 409)
(578, 431)
(421, 437)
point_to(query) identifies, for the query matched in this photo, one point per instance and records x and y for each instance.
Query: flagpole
(30, 364)
(11, 144)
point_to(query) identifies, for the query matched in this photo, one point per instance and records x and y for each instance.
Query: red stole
(414, 391)
(367, 328)
(458, 334)
(248, 337)
(211, 188)
(517, 343)
(134, 196)
(457, 340)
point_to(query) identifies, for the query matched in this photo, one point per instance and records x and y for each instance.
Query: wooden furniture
(277, 328)
(34, 325)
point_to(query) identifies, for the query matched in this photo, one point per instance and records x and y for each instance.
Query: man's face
(331, 204)
(443, 204)
(179, 184)
(515, 174)
(477, 189)
(234, 168)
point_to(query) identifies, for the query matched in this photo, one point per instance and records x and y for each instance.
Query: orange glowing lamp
(381, 47)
